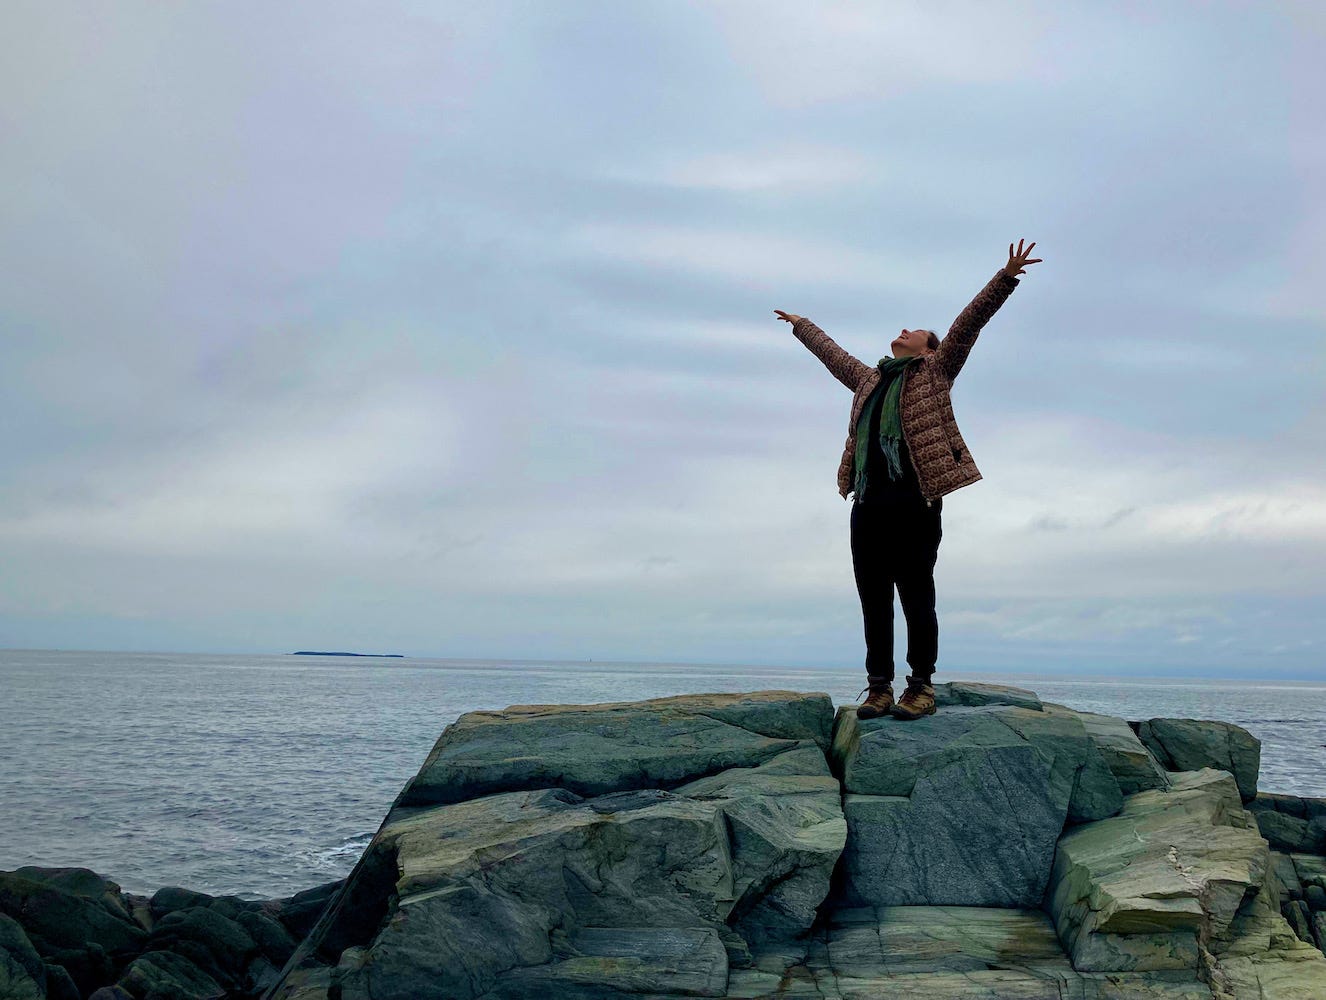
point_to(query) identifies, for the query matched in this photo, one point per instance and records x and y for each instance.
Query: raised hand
(790, 317)
(1018, 261)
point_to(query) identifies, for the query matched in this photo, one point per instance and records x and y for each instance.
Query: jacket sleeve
(842, 366)
(953, 349)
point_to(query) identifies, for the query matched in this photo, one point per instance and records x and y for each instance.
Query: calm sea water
(264, 775)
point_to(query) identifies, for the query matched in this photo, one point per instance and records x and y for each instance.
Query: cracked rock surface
(758, 845)
(753, 845)
(963, 807)
(638, 848)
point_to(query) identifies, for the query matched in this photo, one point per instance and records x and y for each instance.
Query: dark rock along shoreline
(754, 845)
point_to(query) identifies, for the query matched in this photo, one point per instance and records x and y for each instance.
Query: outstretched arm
(845, 368)
(954, 348)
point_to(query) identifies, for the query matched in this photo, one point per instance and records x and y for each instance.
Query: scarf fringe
(890, 446)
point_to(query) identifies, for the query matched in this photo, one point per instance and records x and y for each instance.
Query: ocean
(260, 776)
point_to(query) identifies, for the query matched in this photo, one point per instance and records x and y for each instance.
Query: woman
(904, 453)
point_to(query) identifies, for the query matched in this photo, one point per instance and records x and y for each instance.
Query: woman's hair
(931, 339)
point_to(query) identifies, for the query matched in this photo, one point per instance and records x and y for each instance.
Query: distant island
(316, 652)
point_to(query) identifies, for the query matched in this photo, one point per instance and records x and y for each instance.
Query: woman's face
(911, 342)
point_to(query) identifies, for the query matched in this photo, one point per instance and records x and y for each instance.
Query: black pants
(895, 543)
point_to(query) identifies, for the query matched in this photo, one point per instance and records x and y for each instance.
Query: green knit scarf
(887, 395)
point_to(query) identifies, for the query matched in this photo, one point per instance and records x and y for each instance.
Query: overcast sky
(447, 329)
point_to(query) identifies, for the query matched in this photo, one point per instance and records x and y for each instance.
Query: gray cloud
(450, 330)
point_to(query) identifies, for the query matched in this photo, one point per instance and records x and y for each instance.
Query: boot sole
(871, 713)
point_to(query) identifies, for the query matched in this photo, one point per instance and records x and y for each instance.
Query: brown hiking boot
(879, 702)
(916, 701)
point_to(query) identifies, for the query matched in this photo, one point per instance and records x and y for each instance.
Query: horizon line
(958, 671)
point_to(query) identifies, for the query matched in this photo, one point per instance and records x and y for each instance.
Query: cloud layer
(450, 330)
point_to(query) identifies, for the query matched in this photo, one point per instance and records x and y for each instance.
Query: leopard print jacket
(940, 456)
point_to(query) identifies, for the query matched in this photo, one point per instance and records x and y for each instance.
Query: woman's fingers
(1021, 252)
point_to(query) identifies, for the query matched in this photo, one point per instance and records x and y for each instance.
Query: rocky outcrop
(1260, 958)
(1291, 822)
(963, 807)
(22, 972)
(1158, 885)
(596, 749)
(76, 920)
(88, 938)
(572, 849)
(754, 845)
(1191, 744)
(1302, 878)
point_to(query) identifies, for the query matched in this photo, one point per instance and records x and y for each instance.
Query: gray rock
(1319, 930)
(110, 993)
(685, 847)
(962, 807)
(1286, 875)
(22, 972)
(1125, 755)
(74, 918)
(886, 756)
(920, 850)
(233, 907)
(173, 898)
(685, 961)
(1261, 958)
(217, 945)
(598, 749)
(1314, 896)
(1292, 820)
(1316, 835)
(1061, 738)
(1298, 917)
(941, 953)
(1310, 869)
(972, 694)
(1285, 832)
(301, 911)
(1291, 805)
(786, 832)
(714, 824)
(1146, 889)
(271, 937)
(163, 975)
(59, 984)
(260, 976)
(1192, 744)
(483, 883)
